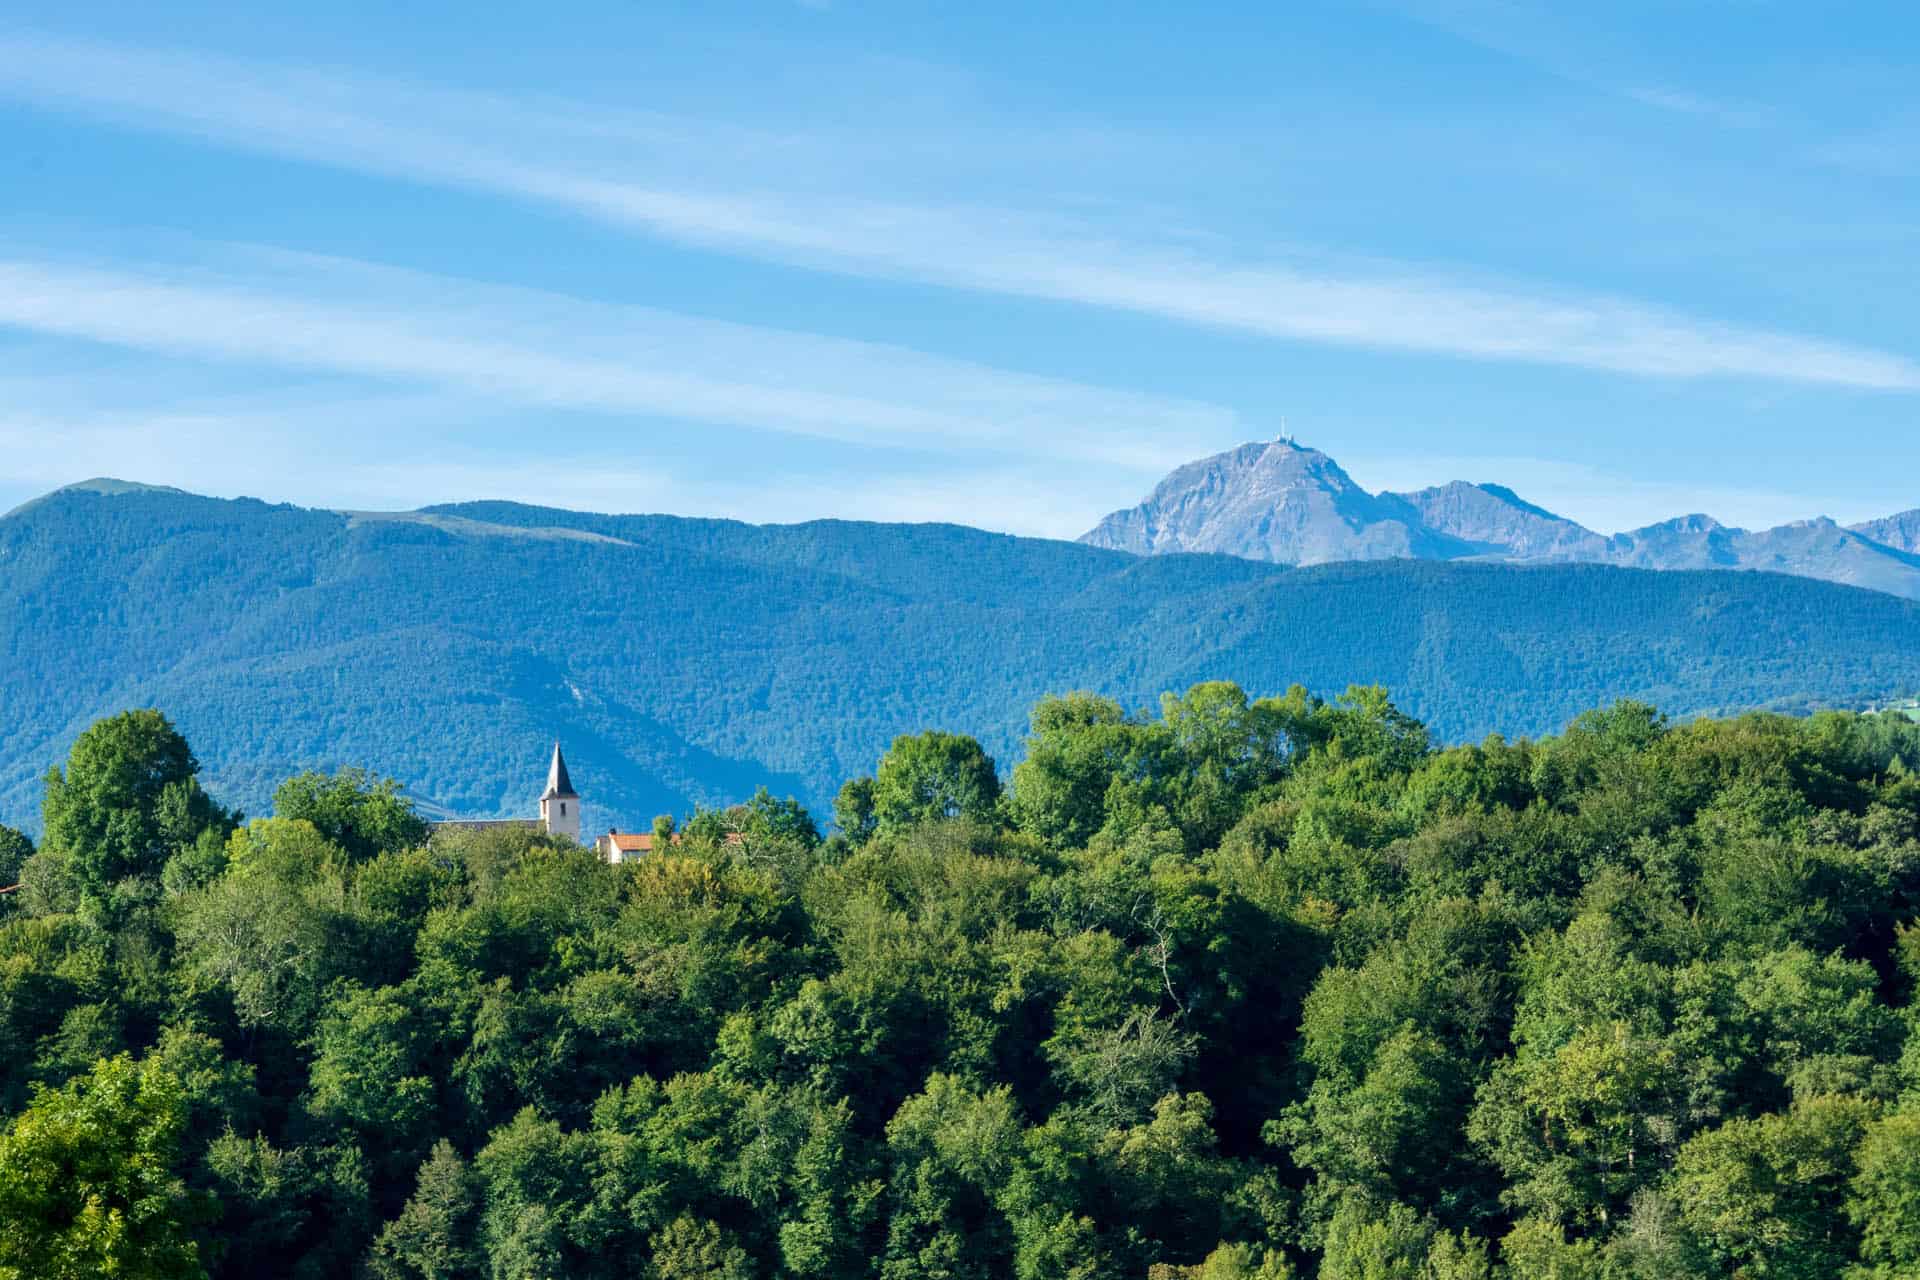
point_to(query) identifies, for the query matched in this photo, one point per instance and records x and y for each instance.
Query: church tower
(560, 804)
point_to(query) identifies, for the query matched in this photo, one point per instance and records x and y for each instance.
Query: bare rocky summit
(1901, 532)
(1272, 501)
(1498, 522)
(1283, 502)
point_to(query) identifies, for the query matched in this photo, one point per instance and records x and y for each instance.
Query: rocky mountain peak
(1271, 500)
(1283, 501)
(1697, 522)
(1901, 532)
(1495, 521)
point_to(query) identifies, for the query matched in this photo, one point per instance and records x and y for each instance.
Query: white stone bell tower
(560, 804)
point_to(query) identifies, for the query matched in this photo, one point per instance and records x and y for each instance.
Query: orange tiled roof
(642, 841)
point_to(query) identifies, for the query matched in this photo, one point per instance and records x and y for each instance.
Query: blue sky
(1000, 264)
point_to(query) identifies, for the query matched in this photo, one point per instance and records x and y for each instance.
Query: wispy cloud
(544, 350)
(1569, 46)
(360, 376)
(1890, 149)
(1733, 115)
(688, 183)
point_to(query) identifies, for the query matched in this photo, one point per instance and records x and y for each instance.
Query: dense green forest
(1244, 988)
(687, 662)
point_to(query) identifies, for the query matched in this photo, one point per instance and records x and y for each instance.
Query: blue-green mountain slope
(687, 661)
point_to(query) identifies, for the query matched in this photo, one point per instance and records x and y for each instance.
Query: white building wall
(561, 816)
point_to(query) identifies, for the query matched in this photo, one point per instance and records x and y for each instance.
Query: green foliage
(15, 849)
(1242, 988)
(271, 931)
(1579, 1130)
(1230, 1262)
(128, 800)
(435, 1236)
(444, 650)
(1370, 1240)
(1078, 745)
(87, 1181)
(1537, 1249)
(932, 775)
(352, 811)
(1885, 1202)
(853, 811)
(1767, 1192)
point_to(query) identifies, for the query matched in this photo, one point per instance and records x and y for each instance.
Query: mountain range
(685, 662)
(1283, 502)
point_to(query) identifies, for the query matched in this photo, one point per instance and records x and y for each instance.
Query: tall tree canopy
(927, 776)
(1233, 988)
(352, 810)
(128, 800)
(88, 1186)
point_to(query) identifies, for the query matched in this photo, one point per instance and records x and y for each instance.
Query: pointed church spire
(558, 783)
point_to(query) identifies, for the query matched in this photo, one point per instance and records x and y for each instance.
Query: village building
(559, 808)
(560, 816)
(619, 846)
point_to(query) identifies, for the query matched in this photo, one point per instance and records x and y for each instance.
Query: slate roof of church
(558, 783)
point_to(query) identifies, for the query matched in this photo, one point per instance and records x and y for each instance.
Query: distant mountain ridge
(1283, 502)
(1489, 519)
(687, 661)
(1901, 531)
(1272, 502)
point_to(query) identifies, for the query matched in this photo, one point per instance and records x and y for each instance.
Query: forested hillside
(1240, 989)
(691, 661)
